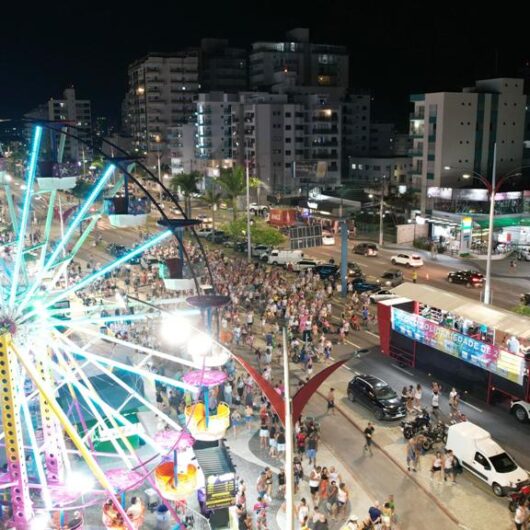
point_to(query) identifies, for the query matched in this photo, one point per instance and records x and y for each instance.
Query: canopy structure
(494, 317)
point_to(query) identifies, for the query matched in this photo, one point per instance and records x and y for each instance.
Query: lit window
(360, 166)
(354, 166)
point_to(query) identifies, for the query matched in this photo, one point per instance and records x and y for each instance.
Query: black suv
(468, 278)
(375, 394)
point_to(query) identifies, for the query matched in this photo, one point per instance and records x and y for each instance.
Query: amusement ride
(79, 385)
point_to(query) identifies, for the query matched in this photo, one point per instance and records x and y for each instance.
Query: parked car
(283, 257)
(326, 270)
(523, 254)
(260, 251)
(304, 264)
(205, 219)
(477, 452)
(354, 271)
(468, 278)
(409, 260)
(204, 232)
(240, 246)
(366, 249)
(255, 208)
(391, 278)
(360, 285)
(117, 250)
(521, 410)
(383, 294)
(217, 237)
(377, 395)
(328, 238)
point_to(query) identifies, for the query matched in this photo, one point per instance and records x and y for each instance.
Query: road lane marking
(471, 406)
(353, 344)
(402, 369)
(372, 333)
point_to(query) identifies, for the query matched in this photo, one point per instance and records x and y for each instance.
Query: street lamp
(493, 187)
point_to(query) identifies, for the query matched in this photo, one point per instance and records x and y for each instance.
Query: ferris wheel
(80, 422)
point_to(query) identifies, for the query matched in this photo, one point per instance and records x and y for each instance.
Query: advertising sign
(220, 490)
(486, 356)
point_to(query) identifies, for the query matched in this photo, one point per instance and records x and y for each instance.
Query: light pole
(381, 209)
(493, 188)
(249, 237)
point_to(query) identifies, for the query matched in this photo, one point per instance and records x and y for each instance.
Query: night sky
(395, 50)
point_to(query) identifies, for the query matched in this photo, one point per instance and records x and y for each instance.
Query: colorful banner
(486, 356)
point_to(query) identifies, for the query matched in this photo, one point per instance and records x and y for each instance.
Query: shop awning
(503, 222)
(493, 317)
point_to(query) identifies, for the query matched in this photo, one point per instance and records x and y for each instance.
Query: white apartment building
(161, 92)
(72, 110)
(282, 137)
(453, 133)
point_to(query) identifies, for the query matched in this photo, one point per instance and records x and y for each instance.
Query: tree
(213, 199)
(260, 232)
(233, 184)
(187, 184)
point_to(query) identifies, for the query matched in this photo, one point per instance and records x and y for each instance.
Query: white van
(477, 452)
(283, 257)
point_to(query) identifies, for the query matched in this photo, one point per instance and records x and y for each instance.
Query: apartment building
(453, 133)
(67, 109)
(323, 67)
(161, 92)
(223, 68)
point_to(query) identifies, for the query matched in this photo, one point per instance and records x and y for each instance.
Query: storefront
(477, 348)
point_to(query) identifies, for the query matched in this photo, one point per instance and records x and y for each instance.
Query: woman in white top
(521, 516)
(437, 466)
(302, 511)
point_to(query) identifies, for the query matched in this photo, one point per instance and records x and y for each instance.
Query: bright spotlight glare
(40, 522)
(41, 311)
(175, 328)
(80, 482)
(200, 344)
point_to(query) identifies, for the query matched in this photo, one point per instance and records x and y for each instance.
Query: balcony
(414, 152)
(323, 155)
(416, 116)
(329, 130)
(328, 143)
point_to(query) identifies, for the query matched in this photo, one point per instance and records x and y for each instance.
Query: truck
(281, 217)
(476, 451)
(283, 257)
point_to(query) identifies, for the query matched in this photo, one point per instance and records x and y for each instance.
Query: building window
(354, 166)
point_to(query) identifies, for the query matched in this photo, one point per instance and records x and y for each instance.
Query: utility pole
(492, 190)
(249, 237)
(289, 452)
(381, 211)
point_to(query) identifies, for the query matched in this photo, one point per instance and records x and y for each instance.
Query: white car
(304, 264)
(521, 410)
(328, 238)
(205, 219)
(255, 208)
(383, 294)
(204, 232)
(409, 260)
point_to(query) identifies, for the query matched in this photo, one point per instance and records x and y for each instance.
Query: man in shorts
(368, 437)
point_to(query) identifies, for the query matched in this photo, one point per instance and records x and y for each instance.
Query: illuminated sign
(467, 223)
(486, 356)
(220, 490)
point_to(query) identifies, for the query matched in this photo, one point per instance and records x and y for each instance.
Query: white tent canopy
(499, 319)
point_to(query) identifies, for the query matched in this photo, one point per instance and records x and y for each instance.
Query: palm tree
(213, 199)
(233, 183)
(186, 183)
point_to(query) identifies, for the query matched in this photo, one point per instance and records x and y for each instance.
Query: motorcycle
(433, 434)
(522, 494)
(412, 427)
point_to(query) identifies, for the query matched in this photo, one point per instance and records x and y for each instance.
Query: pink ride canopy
(206, 378)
